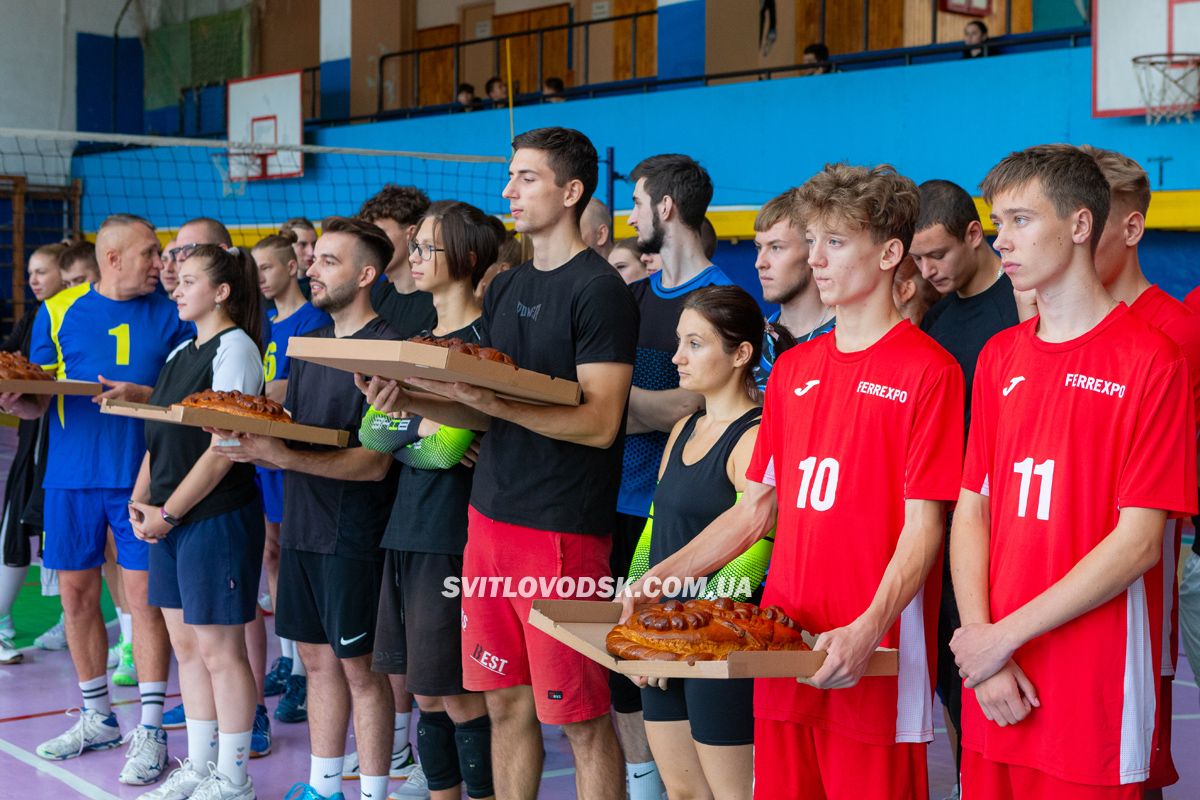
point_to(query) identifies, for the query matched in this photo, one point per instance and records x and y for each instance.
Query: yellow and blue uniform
(93, 460)
(276, 366)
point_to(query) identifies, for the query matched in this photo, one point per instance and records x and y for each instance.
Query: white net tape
(1170, 85)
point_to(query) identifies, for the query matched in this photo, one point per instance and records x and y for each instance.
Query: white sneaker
(217, 787)
(179, 785)
(93, 731)
(7, 629)
(114, 657)
(147, 756)
(8, 653)
(417, 786)
(53, 639)
(403, 765)
(264, 602)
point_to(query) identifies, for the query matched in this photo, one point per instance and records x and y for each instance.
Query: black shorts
(324, 599)
(626, 697)
(419, 632)
(721, 712)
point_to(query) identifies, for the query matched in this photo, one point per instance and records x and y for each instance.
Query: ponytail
(235, 268)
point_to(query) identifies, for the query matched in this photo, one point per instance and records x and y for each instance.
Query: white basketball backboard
(265, 109)
(1123, 29)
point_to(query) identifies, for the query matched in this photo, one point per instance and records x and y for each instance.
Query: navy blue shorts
(720, 712)
(270, 483)
(210, 568)
(76, 522)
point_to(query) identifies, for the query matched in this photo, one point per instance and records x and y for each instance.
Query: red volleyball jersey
(1064, 435)
(845, 439)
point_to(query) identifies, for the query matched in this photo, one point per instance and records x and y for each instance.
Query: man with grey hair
(121, 328)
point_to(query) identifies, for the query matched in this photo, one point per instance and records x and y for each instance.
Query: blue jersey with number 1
(84, 334)
(304, 319)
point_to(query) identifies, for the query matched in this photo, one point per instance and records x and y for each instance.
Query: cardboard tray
(89, 388)
(207, 418)
(400, 360)
(582, 625)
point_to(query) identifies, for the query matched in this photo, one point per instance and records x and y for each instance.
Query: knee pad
(474, 739)
(435, 745)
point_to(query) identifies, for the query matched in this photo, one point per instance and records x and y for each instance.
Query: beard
(795, 290)
(654, 244)
(335, 298)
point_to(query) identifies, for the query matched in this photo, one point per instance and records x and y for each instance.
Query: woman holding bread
(418, 633)
(203, 514)
(701, 732)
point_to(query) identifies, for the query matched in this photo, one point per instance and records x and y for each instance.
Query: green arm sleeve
(386, 434)
(442, 450)
(641, 554)
(741, 577)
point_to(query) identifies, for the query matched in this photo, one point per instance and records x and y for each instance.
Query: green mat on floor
(32, 613)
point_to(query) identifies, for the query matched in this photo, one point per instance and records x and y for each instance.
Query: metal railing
(584, 26)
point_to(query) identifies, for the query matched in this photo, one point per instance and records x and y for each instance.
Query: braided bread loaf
(456, 345)
(702, 630)
(242, 405)
(16, 367)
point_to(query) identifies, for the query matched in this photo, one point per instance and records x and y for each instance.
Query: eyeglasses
(181, 253)
(426, 251)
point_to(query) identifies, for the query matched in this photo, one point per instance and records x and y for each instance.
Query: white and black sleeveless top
(230, 361)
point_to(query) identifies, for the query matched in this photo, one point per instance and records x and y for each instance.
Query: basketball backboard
(1123, 29)
(265, 109)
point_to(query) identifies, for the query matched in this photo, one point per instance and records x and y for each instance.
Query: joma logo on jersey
(886, 392)
(489, 661)
(529, 311)
(1098, 385)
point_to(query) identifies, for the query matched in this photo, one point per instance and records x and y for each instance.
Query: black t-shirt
(406, 314)
(430, 513)
(230, 361)
(962, 325)
(326, 515)
(551, 321)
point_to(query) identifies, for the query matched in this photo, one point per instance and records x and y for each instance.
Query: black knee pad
(435, 744)
(474, 739)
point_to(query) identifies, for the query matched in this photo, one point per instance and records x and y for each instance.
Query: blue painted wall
(94, 84)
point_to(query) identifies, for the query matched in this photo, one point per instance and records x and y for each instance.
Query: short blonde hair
(877, 200)
(1127, 181)
(778, 209)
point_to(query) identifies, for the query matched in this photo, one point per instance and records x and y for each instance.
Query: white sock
(202, 743)
(153, 694)
(287, 648)
(400, 731)
(373, 787)
(644, 781)
(325, 775)
(233, 751)
(95, 694)
(126, 620)
(298, 666)
(11, 579)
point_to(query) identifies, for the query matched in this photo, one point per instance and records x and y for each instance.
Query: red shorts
(500, 648)
(1162, 766)
(799, 762)
(992, 780)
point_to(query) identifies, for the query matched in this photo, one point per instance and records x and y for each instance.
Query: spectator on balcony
(552, 90)
(975, 36)
(496, 90)
(466, 97)
(816, 54)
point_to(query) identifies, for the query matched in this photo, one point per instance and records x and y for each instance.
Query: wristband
(167, 518)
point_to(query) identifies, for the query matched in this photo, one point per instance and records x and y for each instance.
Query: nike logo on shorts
(344, 641)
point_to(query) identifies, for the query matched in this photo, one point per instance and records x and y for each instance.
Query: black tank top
(689, 497)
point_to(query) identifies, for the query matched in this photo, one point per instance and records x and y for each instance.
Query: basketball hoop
(231, 185)
(1170, 85)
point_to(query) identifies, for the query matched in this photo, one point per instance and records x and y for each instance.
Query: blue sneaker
(276, 680)
(174, 718)
(302, 791)
(293, 706)
(260, 736)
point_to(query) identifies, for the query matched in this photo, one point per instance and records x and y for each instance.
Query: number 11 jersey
(84, 334)
(1063, 436)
